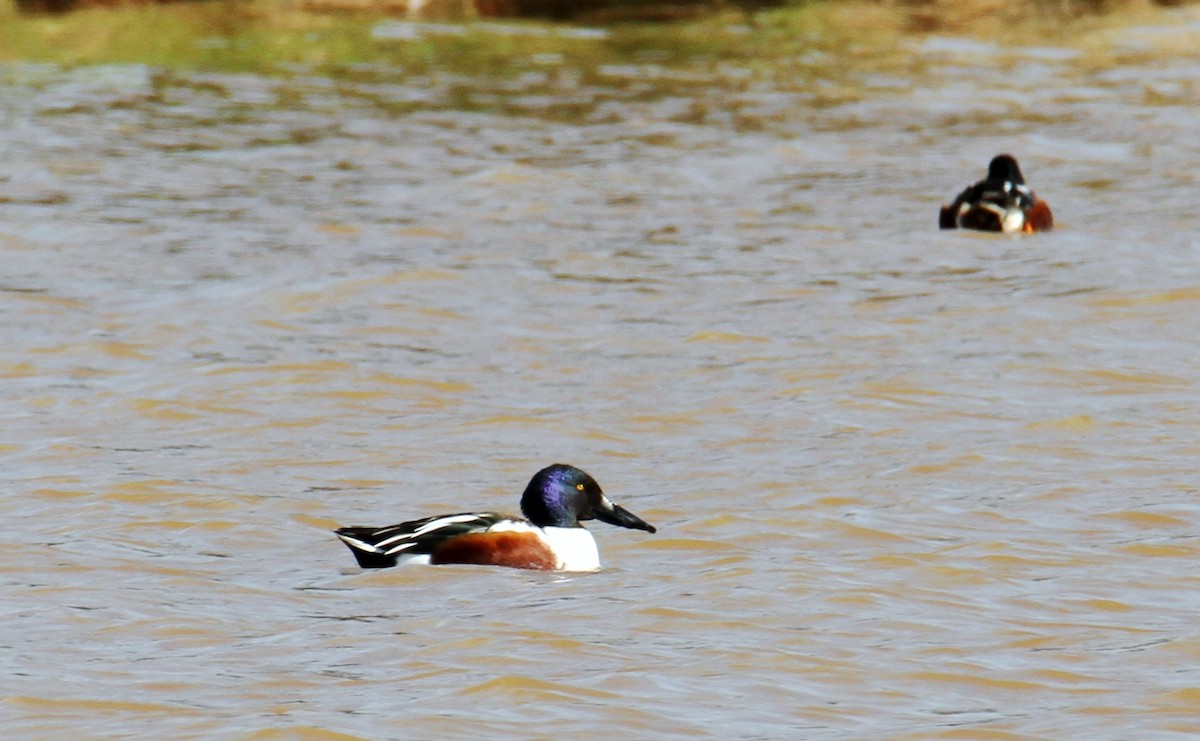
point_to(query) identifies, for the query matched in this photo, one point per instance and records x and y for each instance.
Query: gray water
(909, 484)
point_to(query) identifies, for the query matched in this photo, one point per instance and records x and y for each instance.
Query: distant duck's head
(1004, 167)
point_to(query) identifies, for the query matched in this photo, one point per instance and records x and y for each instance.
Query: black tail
(357, 539)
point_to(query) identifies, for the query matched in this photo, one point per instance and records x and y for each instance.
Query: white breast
(574, 546)
(1014, 221)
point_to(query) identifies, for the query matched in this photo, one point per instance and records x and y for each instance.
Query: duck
(549, 537)
(1000, 203)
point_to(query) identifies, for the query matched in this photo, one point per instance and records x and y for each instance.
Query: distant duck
(549, 538)
(1001, 203)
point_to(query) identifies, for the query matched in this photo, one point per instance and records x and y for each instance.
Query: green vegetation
(529, 68)
(227, 35)
(264, 36)
(271, 37)
(476, 65)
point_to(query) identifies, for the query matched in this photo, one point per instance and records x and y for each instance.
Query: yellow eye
(579, 487)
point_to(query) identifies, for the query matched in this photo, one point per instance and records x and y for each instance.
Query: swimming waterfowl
(549, 538)
(1000, 203)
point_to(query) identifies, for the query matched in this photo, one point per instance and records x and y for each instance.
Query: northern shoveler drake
(1001, 203)
(549, 538)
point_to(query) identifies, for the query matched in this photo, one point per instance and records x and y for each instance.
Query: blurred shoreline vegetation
(763, 38)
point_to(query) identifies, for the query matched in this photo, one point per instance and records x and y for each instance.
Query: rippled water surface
(908, 484)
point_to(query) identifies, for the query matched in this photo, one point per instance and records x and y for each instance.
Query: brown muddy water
(908, 484)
